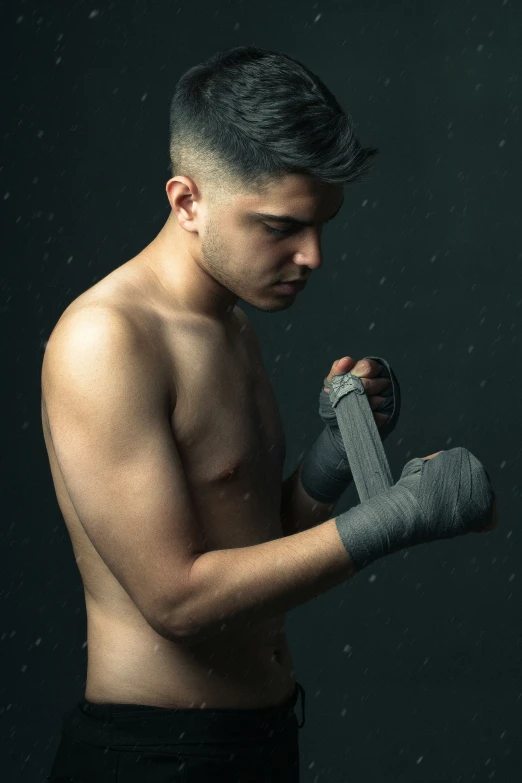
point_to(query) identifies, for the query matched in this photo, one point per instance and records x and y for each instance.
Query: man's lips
(297, 284)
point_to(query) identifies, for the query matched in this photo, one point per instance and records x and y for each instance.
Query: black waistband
(133, 725)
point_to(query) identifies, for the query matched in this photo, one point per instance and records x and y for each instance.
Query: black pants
(133, 743)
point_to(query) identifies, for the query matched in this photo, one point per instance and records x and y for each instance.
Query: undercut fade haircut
(248, 116)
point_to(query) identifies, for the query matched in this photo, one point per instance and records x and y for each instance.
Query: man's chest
(229, 434)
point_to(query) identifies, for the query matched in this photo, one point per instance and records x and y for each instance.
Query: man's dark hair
(247, 116)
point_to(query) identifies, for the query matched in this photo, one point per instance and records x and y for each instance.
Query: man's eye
(276, 232)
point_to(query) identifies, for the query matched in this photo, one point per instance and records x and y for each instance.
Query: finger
(339, 367)
(373, 386)
(367, 367)
(375, 401)
(364, 367)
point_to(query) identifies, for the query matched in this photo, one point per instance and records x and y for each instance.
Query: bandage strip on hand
(443, 497)
(325, 472)
(362, 441)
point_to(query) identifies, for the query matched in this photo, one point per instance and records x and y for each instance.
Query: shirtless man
(166, 450)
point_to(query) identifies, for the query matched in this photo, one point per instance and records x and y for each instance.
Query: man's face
(251, 254)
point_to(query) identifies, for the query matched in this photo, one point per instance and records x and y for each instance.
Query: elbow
(174, 619)
(180, 633)
(165, 617)
(164, 623)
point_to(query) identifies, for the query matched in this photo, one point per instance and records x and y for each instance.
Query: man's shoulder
(98, 315)
(79, 315)
(113, 298)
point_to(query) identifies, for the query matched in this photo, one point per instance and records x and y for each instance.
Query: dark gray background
(412, 668)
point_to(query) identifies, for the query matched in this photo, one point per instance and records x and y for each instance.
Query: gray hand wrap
(326, 472)
(442, 497)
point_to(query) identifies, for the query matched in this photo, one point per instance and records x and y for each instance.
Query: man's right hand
(428, 503)
(494, 517)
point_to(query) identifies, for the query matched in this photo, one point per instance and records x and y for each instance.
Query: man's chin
(270, 305)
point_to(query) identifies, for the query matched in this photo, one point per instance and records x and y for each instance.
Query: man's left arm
(298, 510)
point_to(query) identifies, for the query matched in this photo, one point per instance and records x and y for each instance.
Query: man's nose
(310, 254)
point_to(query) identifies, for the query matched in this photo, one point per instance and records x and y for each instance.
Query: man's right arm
(229, 587)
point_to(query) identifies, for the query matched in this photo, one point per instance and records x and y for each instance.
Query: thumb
(340, 366)
(345, 364)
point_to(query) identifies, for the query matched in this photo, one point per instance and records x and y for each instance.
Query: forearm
(232, 588)
(298, 510)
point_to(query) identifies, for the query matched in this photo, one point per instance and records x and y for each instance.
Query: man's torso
(229, 434)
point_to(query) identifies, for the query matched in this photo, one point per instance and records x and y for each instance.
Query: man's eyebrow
(290, 218)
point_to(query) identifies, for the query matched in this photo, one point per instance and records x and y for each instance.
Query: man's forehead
(296, 193)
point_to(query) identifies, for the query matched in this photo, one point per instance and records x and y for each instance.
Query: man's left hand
(366, 370)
